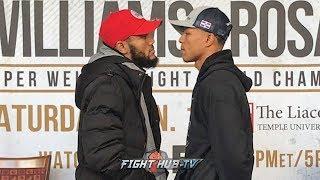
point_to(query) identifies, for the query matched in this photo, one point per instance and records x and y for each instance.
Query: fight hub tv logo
(154, 165)
(154, 161)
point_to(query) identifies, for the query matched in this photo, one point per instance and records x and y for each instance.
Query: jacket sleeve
(227, 135)
(102, 129)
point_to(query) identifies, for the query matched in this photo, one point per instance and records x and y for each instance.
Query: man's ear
(122, 47)
(211, 39)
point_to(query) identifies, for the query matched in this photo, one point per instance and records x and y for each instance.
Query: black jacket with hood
(112, 125)
(220, 129)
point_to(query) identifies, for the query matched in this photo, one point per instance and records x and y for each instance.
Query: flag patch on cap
(205, 24)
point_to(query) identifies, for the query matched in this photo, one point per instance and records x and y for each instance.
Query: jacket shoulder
(219, 85)
(219, 79)
(102, 88)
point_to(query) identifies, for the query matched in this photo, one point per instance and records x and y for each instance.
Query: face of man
(142, 50)
(192, 44)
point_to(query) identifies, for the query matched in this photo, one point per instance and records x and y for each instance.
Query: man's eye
(143, 37)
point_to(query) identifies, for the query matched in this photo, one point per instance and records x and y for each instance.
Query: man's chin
(153, 63)
(187, 60)
(147, 63)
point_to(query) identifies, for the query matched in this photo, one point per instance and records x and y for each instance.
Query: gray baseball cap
(207, 18)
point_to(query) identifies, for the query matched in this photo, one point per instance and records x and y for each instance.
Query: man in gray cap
(220, 130)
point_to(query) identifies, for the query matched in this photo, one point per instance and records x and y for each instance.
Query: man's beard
(141, 60)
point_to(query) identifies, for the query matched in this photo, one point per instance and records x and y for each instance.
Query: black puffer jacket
(220, 130)
(112, 125)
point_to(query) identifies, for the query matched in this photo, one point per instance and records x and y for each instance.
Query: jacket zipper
(141, 113)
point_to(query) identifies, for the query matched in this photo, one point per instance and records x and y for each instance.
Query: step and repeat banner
(44, 44)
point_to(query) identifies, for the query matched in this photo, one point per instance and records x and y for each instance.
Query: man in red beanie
(119, 117)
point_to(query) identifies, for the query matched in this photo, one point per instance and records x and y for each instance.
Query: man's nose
(181, 39)
(151, 41)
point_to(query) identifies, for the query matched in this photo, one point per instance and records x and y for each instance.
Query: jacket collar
(223, 60)
(132, 72)
(220, 57)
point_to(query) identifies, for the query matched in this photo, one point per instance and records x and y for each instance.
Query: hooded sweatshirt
(220, 130)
